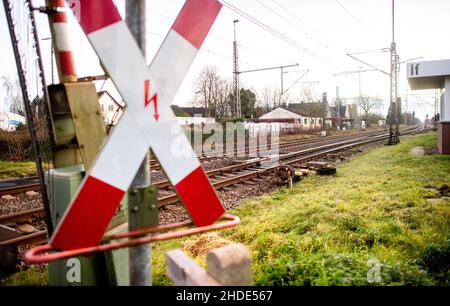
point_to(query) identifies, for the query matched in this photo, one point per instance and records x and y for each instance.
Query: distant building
(292, 116)
(191, 111)
(192, 115)
(111, 109)
(10, 121)
(195, 120)
(338, 116)
(312, 109)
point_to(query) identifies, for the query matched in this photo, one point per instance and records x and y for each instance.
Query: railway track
(224, 177)
(32, 183)
(253, 150)
(19, 185)
(249, 170)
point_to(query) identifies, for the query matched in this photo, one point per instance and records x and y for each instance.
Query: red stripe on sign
(57, 3)
(195, 20)
(85, 222)
(59, 17)
(67, 63)
(200, 198)
(95, 15)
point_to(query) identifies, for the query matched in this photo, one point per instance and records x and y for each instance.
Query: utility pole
(398, 100)
(305, 72)
(237, 92)
(142, 208)
(338, 107)
(406, 109)
(435, 108)
(393, 120)
(282, 91)
(359, 71)
(360, 102)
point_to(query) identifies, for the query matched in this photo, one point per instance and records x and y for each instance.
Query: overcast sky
(323, 31)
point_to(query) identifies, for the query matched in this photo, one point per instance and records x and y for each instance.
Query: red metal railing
(47, 253)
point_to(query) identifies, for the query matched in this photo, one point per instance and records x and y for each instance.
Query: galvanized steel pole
(138, 212)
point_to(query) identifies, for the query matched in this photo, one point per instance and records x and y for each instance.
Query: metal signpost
(147, 122)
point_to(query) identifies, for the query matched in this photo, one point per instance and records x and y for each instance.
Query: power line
(273, 31)
(287, 20)
(204, 49)
(351, 15)
(225, 40)
(264, 53)
(160, 14)
(337, 48)
(293, 15)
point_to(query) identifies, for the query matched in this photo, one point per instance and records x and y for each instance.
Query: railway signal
(140, 127)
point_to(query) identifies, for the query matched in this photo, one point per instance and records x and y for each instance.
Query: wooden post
(290, 183)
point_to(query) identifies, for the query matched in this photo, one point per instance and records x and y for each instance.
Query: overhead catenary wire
(215, 36)
(203, 49)
(273, 32)
(295, 16)
(352, 15)
(288, 21)
(332, 45)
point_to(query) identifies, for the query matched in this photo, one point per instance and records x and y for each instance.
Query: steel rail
(35, 238)
(332, 148)
(22, 216)
(312, 153)
(284, 145)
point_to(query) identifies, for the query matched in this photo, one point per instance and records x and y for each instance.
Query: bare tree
(308, 94)
(368, 105)
(13, 98)
(222, 98)
(272, 98)
(212, 92)
(204, 88)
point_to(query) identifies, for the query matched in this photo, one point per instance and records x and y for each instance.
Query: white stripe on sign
(169, 69)
(127, 69)
(149, 121)
(62, 38)
(122, 154)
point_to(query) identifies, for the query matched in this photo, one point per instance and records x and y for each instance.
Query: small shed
(281, 115)
(435, 75)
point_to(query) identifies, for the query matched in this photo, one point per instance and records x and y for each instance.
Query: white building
(10, 121)
(435, 75)
(111, 109)
(195, 120)
(288, 117)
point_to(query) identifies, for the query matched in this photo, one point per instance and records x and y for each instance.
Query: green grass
(384, 206)
(30, 277)
(380, 207)
(10, 169)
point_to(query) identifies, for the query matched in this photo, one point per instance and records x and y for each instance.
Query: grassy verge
(383, 216)
(16, 169)
(384, 219)
(30, 277)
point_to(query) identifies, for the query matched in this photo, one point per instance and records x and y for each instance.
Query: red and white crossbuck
(148, 121)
